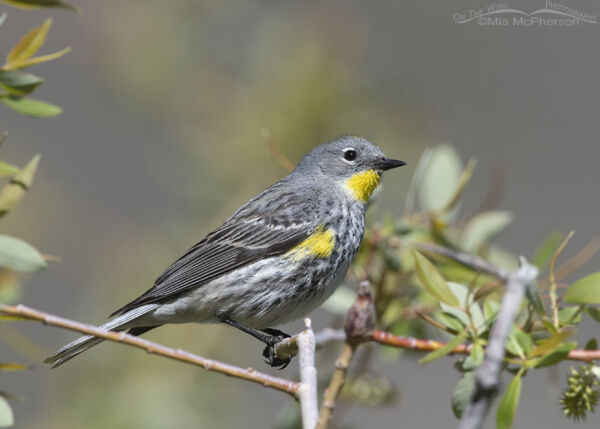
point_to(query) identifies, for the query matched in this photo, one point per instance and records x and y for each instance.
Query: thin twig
(307, 394)
(280, 384)
(360, 320)
(578, 260)
(495, 190)
(329, 335)
(471, 261)
(552, 291)
(487, 376)
(410, 343)
(338, 380)
(281, 159)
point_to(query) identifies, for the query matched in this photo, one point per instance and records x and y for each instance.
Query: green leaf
(483, 226)
(16, 254)
(570, 315)
(525, 341)
(29, 44)
(7, 169)
(22, 54)
(585, 290)
(509, 404)
(490, 310)
(17, 83)
(513, 345)
(592, 344)
(460, 187)
(545, 252)
(31, 107)
(549, 326)
(551, 343)
(451, 321)
(465, 301)
(533, 297)
(433, 281)
(465, 365)
(477, 354)
(36, 60)
(593, 312)
(13, 192)
(10, 288)
(557, 355)
(443, 351)
(463, 275)
(462, 393)
(7, 418)
(440, 177)
(35, 4)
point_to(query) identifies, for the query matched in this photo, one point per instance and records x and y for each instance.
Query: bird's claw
(269, 352)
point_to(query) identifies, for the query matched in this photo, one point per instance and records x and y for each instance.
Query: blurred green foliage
(15, 85)
(16, 256)
(462, 303)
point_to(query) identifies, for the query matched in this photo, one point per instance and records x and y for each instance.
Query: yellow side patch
(363, 184)
(320, 244)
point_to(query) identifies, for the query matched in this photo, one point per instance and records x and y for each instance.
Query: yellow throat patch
(362, 185)
(320, 244)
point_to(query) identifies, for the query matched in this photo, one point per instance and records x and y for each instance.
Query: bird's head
(352, 161)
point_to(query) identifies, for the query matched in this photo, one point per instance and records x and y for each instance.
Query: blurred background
(167, 106)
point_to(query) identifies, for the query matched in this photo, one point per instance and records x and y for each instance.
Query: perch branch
(290, 387)
(307, 394)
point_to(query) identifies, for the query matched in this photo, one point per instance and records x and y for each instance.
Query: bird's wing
(238, 242)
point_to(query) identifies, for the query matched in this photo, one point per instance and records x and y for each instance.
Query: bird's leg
(264, 338)
(268, 336)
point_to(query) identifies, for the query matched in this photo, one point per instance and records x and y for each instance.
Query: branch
(410, 343)
(307, 393)
(470, 261)
(487, 376)
(292, 388)
(338, 380)
(281, 159)
(359, 322)
(288, 347)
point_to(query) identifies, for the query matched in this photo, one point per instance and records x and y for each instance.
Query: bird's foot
(269, 352)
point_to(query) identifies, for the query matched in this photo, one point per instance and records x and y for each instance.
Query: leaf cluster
(15, 84)
(417, 291)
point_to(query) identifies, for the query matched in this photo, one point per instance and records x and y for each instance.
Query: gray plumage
(246, 269)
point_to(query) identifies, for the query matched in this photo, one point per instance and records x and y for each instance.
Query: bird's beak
(387, 164)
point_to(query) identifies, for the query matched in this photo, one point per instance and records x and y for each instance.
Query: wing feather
(235, 244)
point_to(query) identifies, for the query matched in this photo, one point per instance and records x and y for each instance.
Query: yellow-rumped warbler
(274, 260)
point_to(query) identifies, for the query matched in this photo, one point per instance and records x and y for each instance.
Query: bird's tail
(119, 323)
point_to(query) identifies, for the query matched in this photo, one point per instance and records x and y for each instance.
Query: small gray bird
(274, 260)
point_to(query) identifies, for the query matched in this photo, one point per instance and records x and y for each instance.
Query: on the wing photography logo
(553, 14)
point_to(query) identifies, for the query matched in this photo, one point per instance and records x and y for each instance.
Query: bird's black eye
(350, 154)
